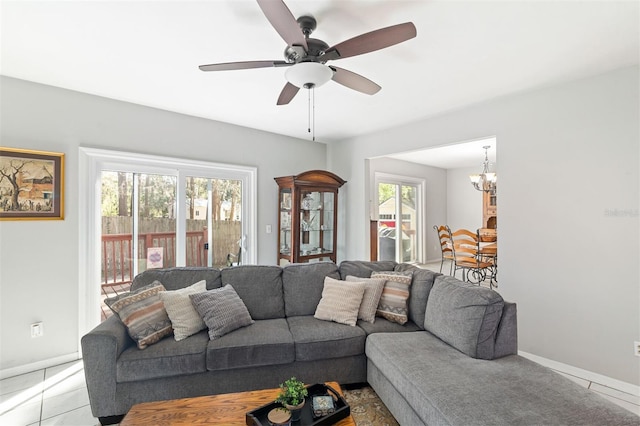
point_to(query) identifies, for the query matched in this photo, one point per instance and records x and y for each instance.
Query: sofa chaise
(454, 361)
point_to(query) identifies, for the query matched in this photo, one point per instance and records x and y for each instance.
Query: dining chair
(488, 252)
(467, 258)
(446, 246)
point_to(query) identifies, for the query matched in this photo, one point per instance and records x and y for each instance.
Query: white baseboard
(34, 366)
(584, 374)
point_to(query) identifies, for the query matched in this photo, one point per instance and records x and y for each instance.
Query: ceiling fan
(307, 56)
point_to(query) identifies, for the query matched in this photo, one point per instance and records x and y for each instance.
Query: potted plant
(291, 396)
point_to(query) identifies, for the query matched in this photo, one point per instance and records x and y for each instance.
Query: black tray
(258, 417)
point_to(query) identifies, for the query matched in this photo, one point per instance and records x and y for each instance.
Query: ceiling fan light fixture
(308, 74)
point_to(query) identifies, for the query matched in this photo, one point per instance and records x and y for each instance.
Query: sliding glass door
(214, 222)
(399, 220)
(148, 212)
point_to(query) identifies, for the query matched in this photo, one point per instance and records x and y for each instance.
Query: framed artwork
(31, 184)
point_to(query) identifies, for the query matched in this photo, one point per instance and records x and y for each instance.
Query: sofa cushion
(303, 284)
(393, 302)
(178, 277)
(222, 310)
(185, 320)
(464, 315)
(371, 297)
(316, 339)
(265, 342)
(446, 387)
(259, 287)
(421, 285)
(383, 325)
(363, 269)
(340, 301)
(165, 358)
(143, 313)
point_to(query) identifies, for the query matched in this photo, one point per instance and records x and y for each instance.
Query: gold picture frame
(31, 184)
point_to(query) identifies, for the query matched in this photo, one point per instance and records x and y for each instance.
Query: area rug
(366, 407)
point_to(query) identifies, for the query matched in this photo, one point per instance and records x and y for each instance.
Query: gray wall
(464, 202)
(568, 239)
(39, 259)
(569, 157)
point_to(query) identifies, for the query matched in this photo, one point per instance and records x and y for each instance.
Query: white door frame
(93, 161)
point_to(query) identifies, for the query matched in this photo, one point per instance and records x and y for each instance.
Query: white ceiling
(455, 156)
(148, 52)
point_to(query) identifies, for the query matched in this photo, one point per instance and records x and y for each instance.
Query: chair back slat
(446, 245)
(466, 253)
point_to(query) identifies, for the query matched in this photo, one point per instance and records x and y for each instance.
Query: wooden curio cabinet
(307, 219)
(490, 209)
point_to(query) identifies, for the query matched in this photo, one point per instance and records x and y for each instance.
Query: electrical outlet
(636, 348)
(37, 329)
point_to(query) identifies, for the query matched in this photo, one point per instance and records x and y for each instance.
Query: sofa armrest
(507, 334)
(101, 348)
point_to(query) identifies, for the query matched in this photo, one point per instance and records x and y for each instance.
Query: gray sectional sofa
(454, 362)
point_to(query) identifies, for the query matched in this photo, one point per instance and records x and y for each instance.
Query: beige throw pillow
(340, 301)
(372, 292)
(184, 317)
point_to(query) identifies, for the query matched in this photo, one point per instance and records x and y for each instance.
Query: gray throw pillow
(222, 310)
(372, 292)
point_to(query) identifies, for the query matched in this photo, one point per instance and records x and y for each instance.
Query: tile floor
(53, 396)
(58, 396)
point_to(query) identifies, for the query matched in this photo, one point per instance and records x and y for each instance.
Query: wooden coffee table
(226, 409)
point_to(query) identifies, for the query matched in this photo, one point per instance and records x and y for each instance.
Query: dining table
(489, 252)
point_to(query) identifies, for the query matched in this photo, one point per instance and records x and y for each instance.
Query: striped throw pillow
(393, 302)
(143, 313)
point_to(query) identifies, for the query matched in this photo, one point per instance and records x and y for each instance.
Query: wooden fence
(117, 260)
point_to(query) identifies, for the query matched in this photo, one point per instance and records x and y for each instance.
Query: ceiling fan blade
(243, 65)
(288, 93)
(372, 41)
(354, 81)
(283, 21)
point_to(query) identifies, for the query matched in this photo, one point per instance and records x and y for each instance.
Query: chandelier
(485, 181)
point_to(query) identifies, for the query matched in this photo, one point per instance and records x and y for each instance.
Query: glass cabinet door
(316, 223)
(285, 221)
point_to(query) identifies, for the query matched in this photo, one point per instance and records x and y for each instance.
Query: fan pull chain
(311, 111)
(313, 114)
